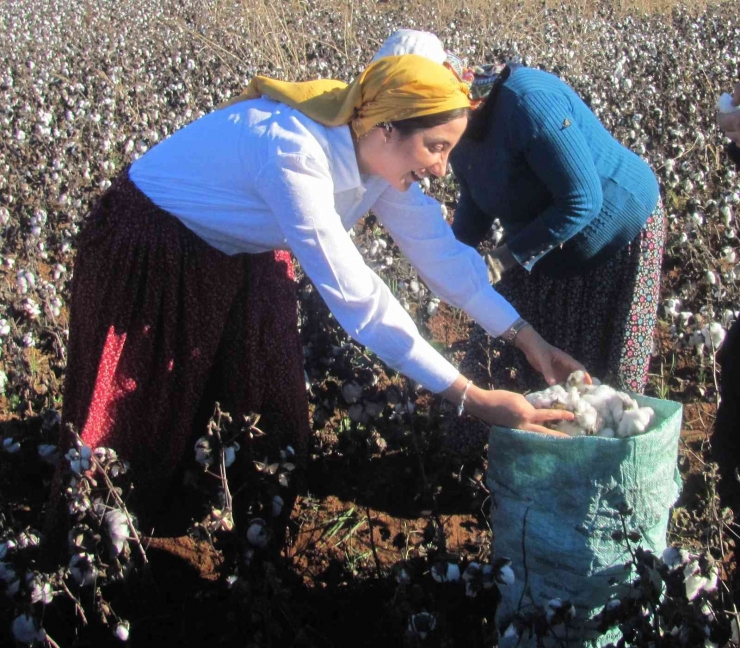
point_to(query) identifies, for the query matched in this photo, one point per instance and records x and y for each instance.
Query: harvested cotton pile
(599, 410)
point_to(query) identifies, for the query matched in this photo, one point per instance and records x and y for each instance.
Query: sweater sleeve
(452, 270)
(558, 154)
(299, 191)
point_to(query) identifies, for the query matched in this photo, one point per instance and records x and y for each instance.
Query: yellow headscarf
(393, 88)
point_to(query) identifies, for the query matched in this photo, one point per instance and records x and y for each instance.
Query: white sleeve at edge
(454, 271)
(299, 192)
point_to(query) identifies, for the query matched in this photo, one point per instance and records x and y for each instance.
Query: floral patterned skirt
(162, 326)
(604, 318)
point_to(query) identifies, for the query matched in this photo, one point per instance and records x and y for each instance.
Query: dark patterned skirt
(162, 326)
(604, 318)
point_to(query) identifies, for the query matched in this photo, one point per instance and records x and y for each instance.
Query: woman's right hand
(506, 409)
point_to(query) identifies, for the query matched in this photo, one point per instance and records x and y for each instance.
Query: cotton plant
(600, 410)
(669, 602)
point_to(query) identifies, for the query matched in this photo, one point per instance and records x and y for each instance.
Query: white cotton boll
(116, 526)
(358, 414)
(122, 631)
(576, 379)
(373, 409)
(277, 505)
(27, 631)
(351, 391)
(695, 582)
(7, 573)
(613, 604)
(586, 417)
(635, 421)
(82, 569)
(10, 445)
(258, 533)
(505, 576)
(446, 572)
(713, 335)
(28, 538)
(230, 454)
(711, 278)
(570, 428)
(600, 398)
(40, 590)
(672, 307)
(728, 317)
(4, 548)
(539, 401)
(571, 398)
(607, 433)
(203, 452)
(726, 213)
(445, 211)
(685, 317)
(629, 402)
(432, 307)
(674, 557)
(511, 632)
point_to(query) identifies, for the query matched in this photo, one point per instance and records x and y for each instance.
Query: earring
(388, 128)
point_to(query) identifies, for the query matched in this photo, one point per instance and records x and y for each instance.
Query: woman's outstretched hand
(504, 408)
(555, 365)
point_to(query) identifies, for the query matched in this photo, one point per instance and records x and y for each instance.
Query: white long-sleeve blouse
(260, 176)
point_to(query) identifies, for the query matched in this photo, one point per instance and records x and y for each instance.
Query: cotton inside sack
(556, 506)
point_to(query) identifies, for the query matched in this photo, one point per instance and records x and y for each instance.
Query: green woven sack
(555, 507)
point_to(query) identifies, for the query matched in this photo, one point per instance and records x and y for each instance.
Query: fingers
(543, 430)
(543, 415)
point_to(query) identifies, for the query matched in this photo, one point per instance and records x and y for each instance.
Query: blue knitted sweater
(566, 192)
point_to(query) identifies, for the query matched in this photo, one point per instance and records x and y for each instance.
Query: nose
(439, 168)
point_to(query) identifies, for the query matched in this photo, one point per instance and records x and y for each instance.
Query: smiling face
(405, 159)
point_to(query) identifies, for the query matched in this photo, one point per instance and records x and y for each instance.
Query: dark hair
(407, 127)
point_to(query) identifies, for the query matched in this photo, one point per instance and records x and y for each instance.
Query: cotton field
(389, 540)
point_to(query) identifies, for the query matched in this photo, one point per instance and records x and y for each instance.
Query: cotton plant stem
(378, 567)
(49, 641)
(718, 397)
(122, 507)
(78, 606)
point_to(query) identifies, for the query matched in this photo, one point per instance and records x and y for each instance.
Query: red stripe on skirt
(162, 325)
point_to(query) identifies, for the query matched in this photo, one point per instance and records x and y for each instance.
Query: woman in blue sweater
(583, 222)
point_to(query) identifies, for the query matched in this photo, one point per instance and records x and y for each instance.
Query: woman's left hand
(499, 261)
(555, 365)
